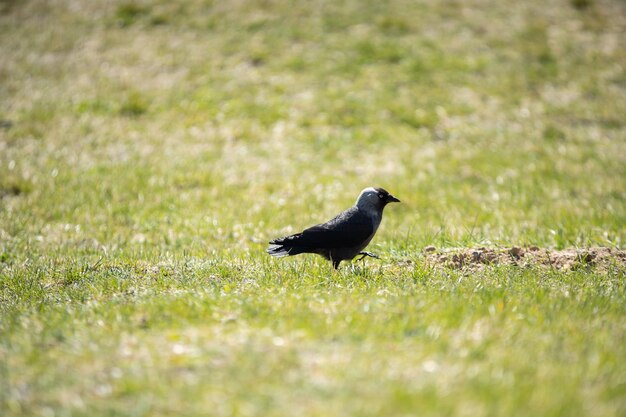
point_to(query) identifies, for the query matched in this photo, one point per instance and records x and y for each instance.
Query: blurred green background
(200, 123)
(150, 149)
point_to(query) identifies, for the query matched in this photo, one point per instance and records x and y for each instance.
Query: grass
(150, 149)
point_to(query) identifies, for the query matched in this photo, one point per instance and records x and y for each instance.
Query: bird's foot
(370, 254)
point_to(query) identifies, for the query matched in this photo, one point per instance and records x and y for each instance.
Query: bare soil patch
(567, 259)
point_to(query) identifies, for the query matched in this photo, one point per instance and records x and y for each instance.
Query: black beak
(392, 199)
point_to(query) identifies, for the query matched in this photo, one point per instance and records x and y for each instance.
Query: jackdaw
(344, 236)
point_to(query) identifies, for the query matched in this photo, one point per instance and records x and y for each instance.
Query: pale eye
(381, 196)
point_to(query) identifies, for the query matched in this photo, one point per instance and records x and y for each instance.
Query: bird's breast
(375, 218)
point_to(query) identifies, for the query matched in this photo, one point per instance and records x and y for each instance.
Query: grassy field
(149, 150)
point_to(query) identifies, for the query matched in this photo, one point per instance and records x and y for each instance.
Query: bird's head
(376, 198)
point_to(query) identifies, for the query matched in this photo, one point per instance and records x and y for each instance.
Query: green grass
(150, 149)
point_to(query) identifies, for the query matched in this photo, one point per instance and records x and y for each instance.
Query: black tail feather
(278, 250)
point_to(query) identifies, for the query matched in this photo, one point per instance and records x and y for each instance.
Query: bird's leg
(370, 254)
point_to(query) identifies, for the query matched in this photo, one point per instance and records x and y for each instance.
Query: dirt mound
(567, 259)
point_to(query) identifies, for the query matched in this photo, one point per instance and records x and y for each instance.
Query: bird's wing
(348, 229)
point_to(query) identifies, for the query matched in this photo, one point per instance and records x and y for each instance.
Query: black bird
(343, 237)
